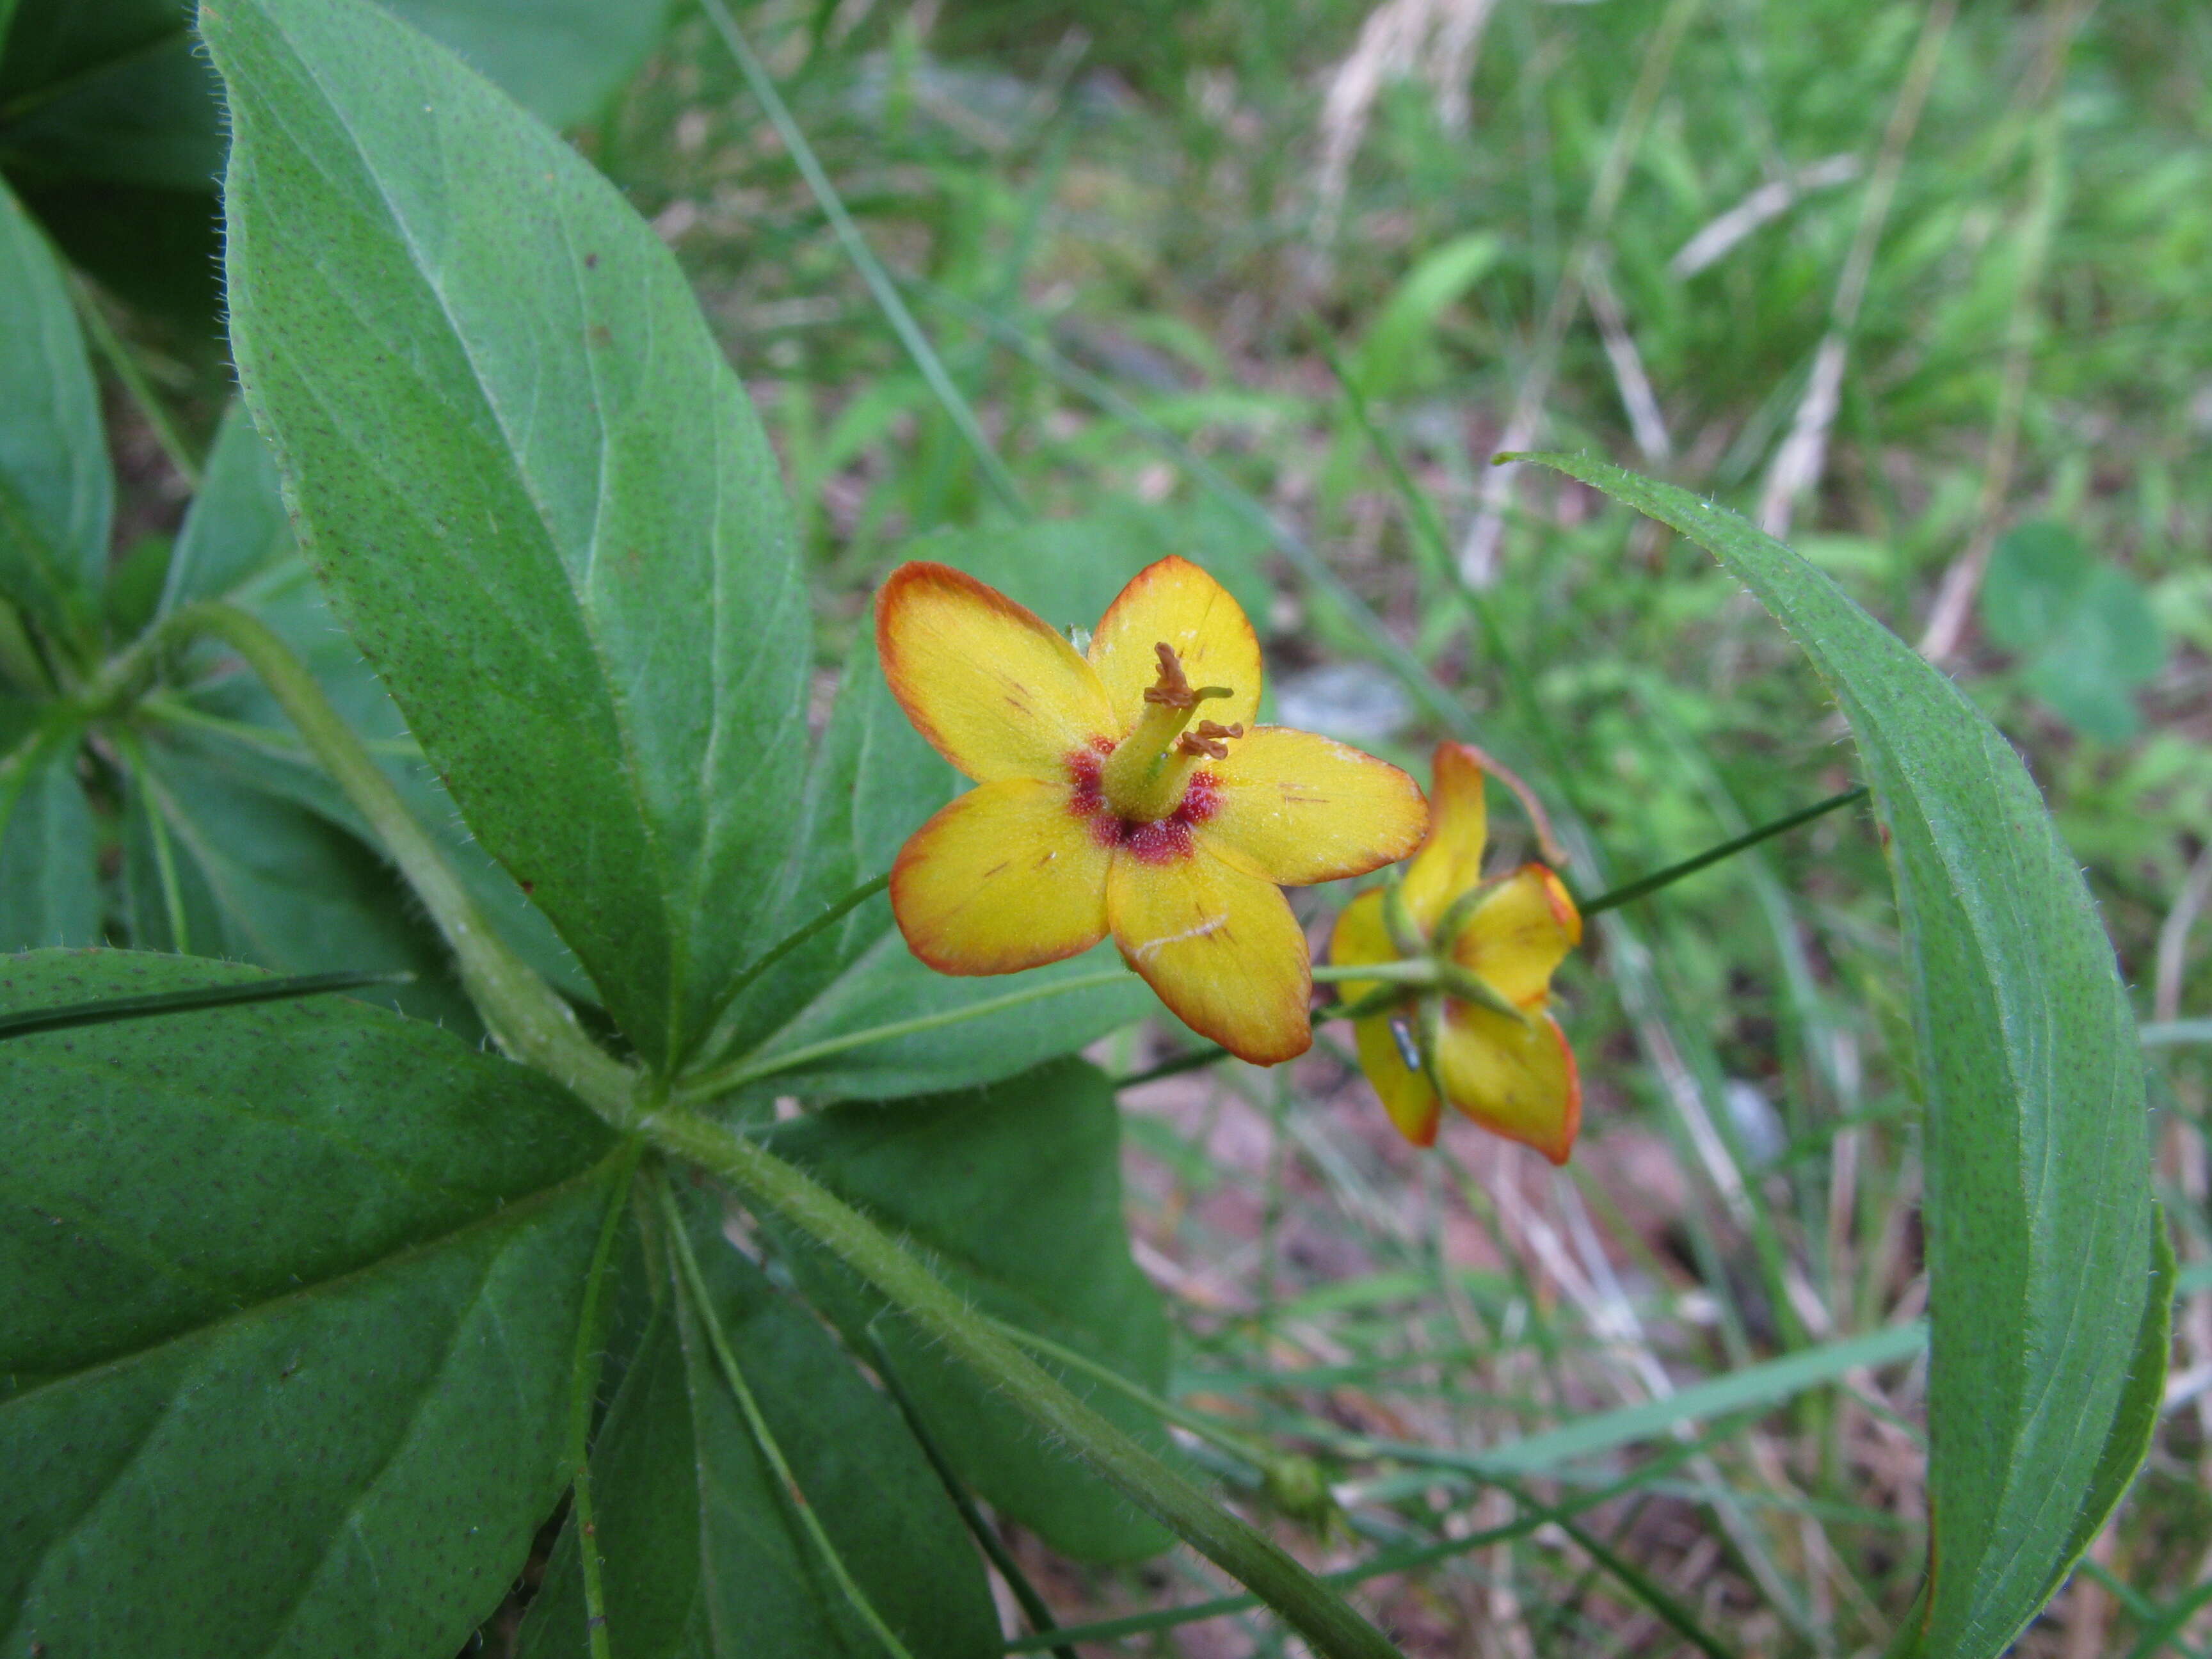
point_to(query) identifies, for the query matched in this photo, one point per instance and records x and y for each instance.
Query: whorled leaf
(2039, 1224)
(706, 1553)
(288, 1297)
(540, 499)
(1015, 1193)
(57, 494)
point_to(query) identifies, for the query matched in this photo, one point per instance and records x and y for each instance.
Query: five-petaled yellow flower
(1106, 804)
(1477, 1032)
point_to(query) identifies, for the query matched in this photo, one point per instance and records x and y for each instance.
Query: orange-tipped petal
(1297, 808)
(995, 689)
(1220, 946)
(1516, 1081)
(1450, 859)
(1174, 603)
(1519, 934)
(1404, 1090)
(1005, 878)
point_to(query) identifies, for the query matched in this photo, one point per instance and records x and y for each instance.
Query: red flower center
(1159, 840)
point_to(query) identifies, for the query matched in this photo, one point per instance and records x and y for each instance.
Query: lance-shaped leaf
(214, 866)
(873, 783)
(49, 876)
(540, 497)
(2041, 1285)
(57, 494)
(235, 546)
(1015, 1192)
(706, 1555)
(289, 1298)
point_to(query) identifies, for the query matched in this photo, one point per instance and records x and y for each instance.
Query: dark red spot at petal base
(1163, 842)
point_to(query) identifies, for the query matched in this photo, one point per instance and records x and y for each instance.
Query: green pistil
(1144, 779)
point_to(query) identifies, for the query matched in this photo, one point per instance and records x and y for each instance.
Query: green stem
(790, 941)
(32, 1020)
(125, 366)
(18, 658)
(1374, 1003)
(583, 1390)
(1260, 1457)
(1328, 1623)
(864, 259)
(1674, 872)
(525, 1014)
(725, 1360)
(1385, 1564)
(1418, 971)
(722, 1080)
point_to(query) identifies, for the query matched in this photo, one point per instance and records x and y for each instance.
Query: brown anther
(1172, 688)
(1207, 740)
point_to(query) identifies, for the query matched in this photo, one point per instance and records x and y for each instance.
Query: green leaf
(1015, 1190)
(235, 530)
(49, 847)
(236, 546)
(287, 1298)
(540, 499)
(117, 92)
(57, 493)
(214, 866)
(1398, 354)
(560, 59)
(704, 1553)
(873, 784)
(2037, 1210)
(2087, 630)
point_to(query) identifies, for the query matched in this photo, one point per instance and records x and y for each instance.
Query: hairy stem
(521, 1010)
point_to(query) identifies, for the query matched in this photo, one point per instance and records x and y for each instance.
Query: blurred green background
(1925, 288)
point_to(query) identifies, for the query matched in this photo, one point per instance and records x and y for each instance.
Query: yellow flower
(1104, 803)
(1479, 1035)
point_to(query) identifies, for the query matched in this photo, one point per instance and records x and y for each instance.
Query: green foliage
(112, 114)
(706, 1550)
(312, 1316)
(1015, 1192)
(575, 452)
(2039, 1225)
(290, 1295)
(2085, 630)
(57, 494)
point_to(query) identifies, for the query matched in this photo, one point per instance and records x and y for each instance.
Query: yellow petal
(1404, 1089)
(993, 690)
(1007, 876)
(1176, 603)
(1515, 1080)
(1297, 808)
(1450, 859)
(1519, 934)
(1220, 946)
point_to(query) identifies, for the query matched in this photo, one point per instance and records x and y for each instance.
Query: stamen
(1208, 740)
(1146, 778)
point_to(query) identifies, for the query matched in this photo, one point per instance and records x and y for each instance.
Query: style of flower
(1105, 804)
(1473, 961)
